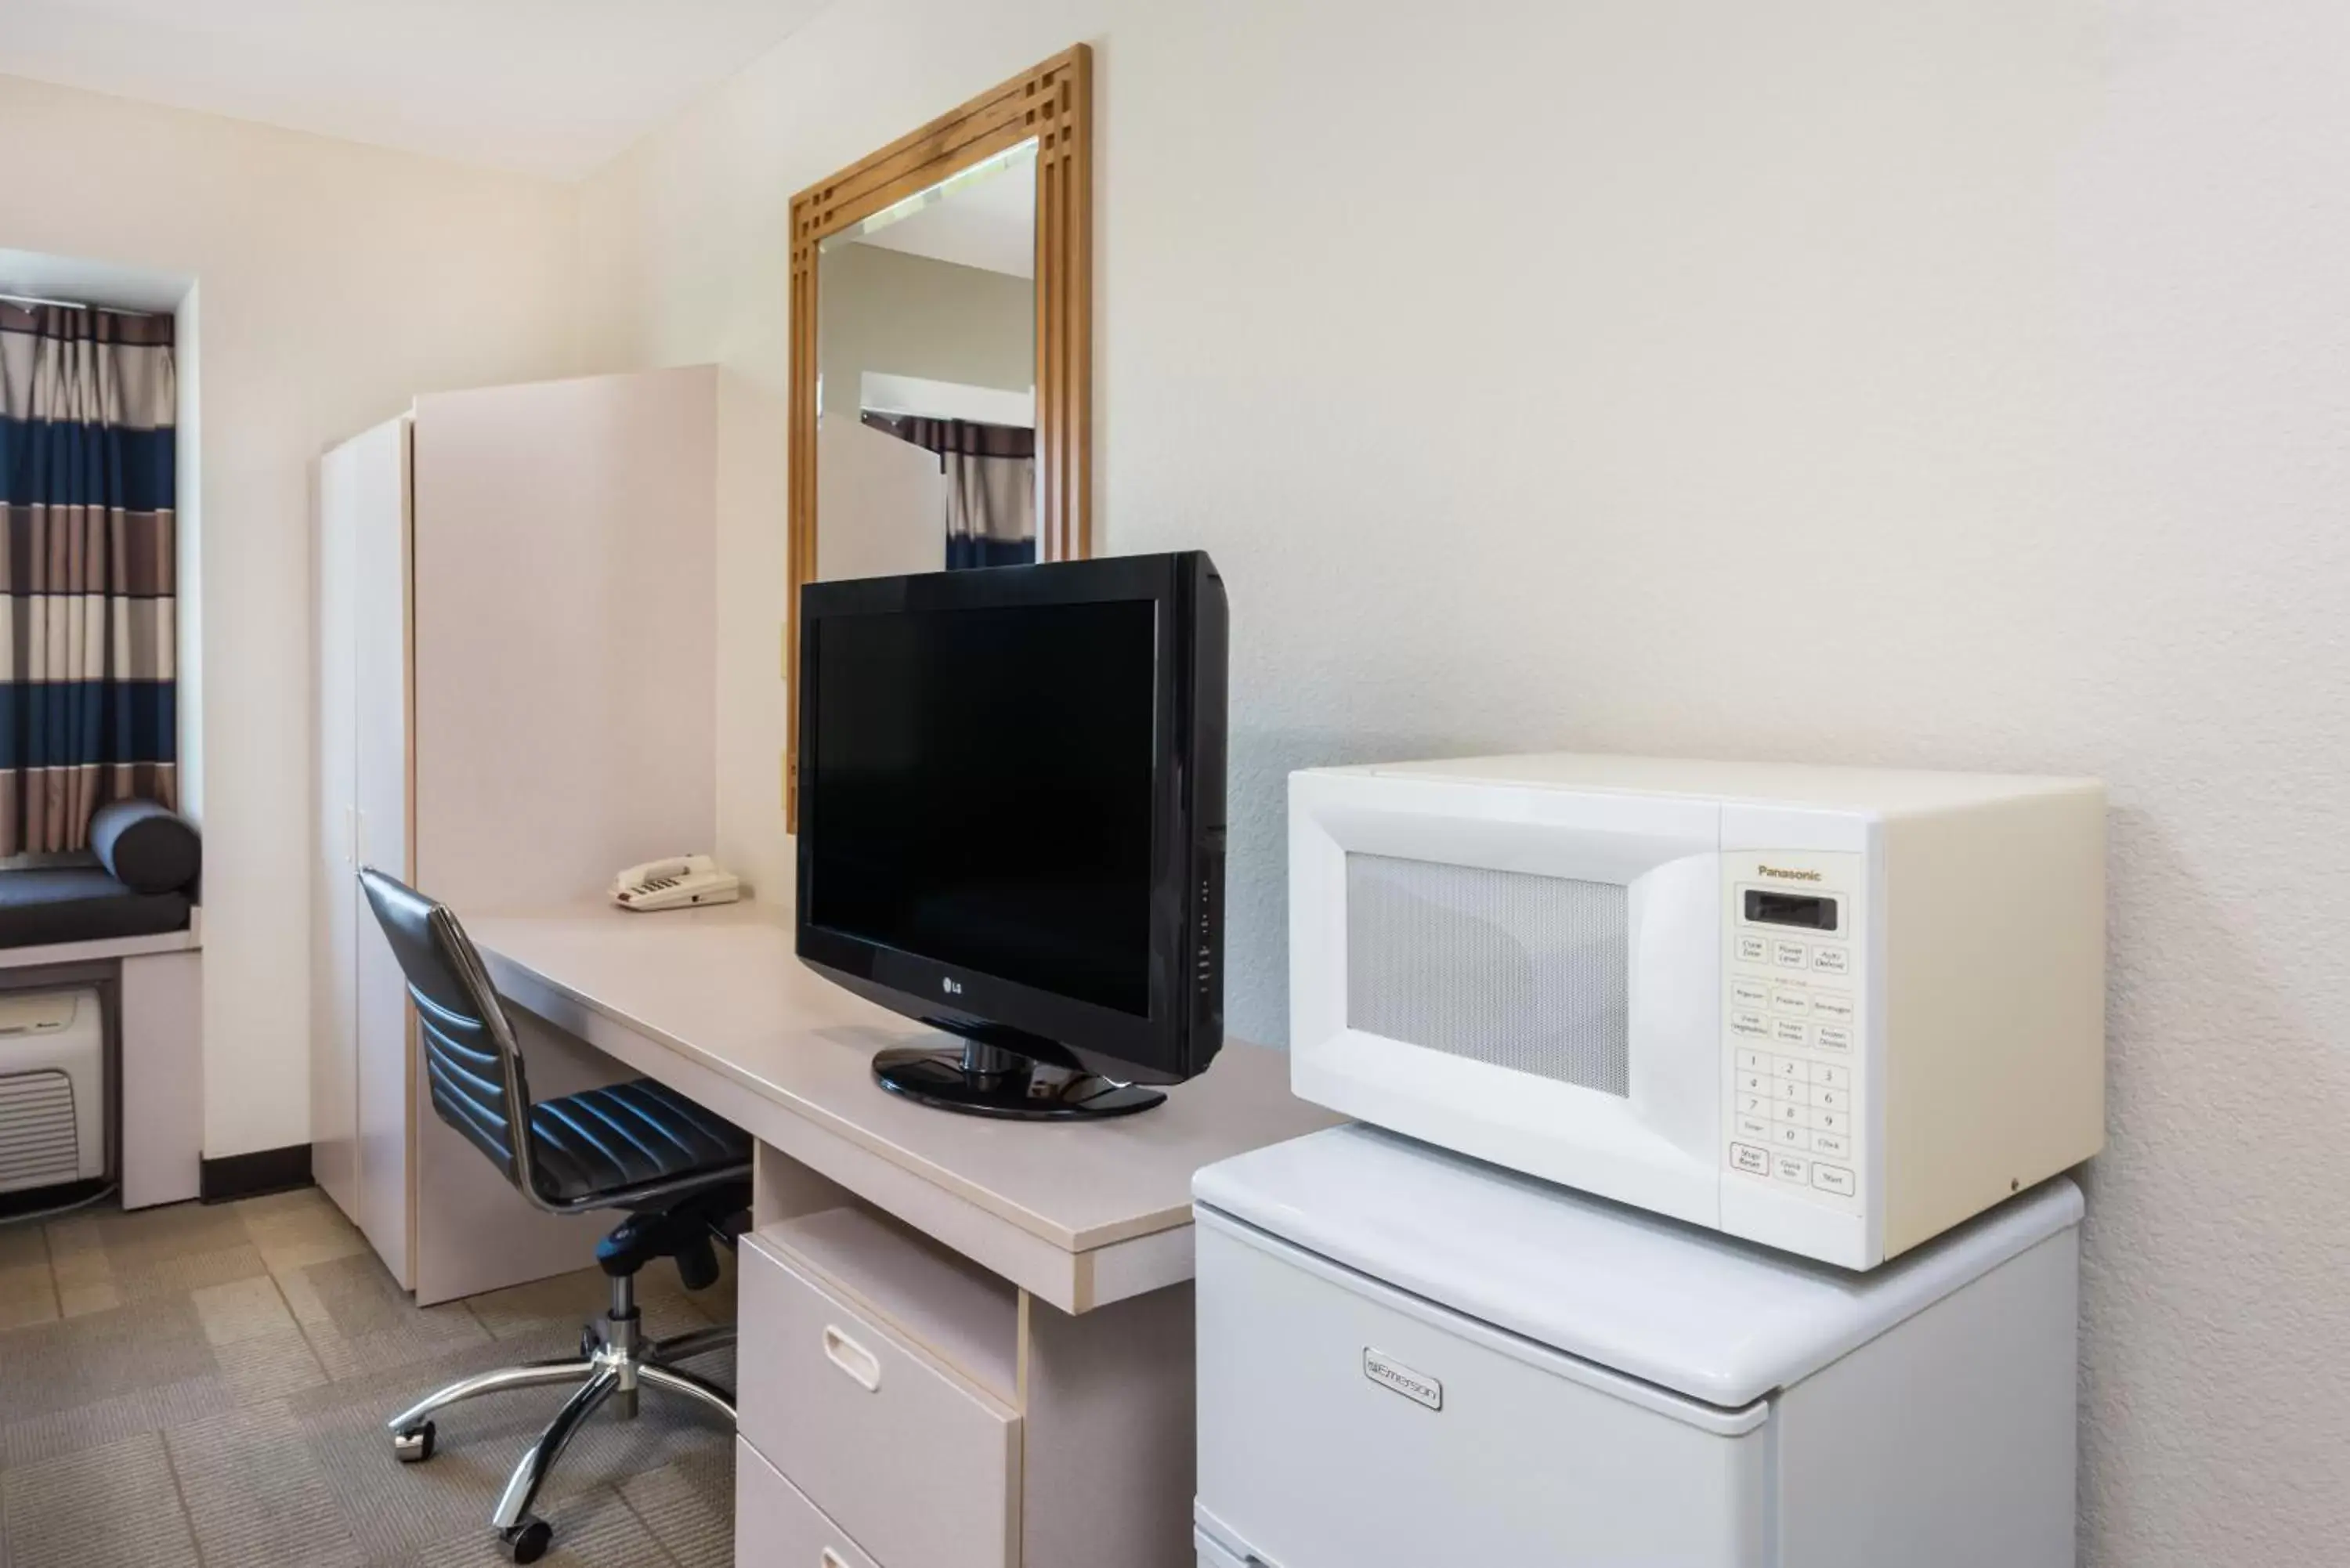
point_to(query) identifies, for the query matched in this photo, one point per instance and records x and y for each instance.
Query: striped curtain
(88, 709)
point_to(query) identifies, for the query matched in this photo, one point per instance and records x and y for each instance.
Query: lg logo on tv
(952, 987)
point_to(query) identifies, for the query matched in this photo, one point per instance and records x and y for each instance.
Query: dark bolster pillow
(148, 847)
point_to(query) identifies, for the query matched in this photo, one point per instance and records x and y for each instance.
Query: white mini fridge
(1409, 1360)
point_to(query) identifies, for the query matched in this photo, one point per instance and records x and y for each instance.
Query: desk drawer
(916, 1464)
(777, 1527)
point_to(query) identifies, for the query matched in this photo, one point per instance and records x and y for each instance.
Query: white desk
(1068, 1431)
(714, 1004)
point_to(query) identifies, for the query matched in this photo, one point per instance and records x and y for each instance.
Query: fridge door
(1345, 1424)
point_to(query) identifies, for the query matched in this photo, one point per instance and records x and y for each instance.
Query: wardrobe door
(381, 622)
(334, 1015)
(566, 720)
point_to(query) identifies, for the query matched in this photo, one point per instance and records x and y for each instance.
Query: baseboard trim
(235, 1176)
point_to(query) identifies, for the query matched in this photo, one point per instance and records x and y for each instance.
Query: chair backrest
(471, 1061)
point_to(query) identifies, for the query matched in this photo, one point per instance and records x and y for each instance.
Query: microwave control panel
(1792, 1022)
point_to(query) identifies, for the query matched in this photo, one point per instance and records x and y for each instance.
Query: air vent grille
(38, 1142)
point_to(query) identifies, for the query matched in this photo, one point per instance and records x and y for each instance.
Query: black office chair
(684, 1174)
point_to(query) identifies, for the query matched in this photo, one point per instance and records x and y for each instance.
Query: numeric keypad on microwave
(1791, 1031)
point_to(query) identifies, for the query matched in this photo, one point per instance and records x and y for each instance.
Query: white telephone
(677, 883)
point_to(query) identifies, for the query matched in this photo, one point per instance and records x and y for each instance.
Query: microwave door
(1528, 977)
(1674, 1005)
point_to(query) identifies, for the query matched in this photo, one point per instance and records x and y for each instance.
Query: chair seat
(626, 1134)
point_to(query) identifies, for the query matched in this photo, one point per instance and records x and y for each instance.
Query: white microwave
(1834, 1010)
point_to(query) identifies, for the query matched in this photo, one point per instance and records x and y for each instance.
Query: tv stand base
(989, 1081)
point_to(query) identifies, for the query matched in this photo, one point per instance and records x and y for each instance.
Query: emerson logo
(1785, 876)
(1396, 1377)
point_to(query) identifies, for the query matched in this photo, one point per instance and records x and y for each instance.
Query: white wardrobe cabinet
(515, 594)
(357, 1082)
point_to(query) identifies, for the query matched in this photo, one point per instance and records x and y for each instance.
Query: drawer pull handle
(829, 1558)
(853, 1358)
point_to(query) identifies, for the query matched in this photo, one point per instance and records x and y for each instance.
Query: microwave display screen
(1808, 910)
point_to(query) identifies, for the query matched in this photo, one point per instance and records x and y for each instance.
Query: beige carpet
(207, 1386)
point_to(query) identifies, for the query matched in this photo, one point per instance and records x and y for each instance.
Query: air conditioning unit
(52, 1089)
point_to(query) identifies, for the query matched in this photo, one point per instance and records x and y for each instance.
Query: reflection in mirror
(925, 372)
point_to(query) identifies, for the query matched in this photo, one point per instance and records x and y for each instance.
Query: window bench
(128, 927)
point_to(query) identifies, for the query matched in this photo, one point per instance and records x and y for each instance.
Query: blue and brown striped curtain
(87, 706)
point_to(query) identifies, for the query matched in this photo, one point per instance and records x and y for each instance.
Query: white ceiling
(548, 86)
(988, 223)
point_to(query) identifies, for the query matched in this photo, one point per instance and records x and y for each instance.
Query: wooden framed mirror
(914, 445)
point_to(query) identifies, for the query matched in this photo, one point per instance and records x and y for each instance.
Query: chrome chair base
(613, 1363)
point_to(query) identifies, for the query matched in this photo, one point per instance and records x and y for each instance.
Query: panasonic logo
(1788, 876)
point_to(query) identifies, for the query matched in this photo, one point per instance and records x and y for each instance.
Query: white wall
(336, 281)
(1943, 383)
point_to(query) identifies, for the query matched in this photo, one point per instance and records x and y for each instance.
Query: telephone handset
(676, 884)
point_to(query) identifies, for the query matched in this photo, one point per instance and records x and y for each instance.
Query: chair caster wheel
(527, 1542)
(413, 1447)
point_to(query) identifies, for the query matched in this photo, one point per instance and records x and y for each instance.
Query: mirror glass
(926, 378)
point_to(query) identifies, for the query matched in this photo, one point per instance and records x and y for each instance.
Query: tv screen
(1011, 796)
(984, 779)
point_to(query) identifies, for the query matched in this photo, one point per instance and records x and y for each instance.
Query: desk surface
(723, 987)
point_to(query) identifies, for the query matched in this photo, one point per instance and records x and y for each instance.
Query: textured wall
(1958, 383)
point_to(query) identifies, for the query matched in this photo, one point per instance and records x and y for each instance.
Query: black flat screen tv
(1011, 824)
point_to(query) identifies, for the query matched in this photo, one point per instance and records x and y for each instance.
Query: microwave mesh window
(1519, 970)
